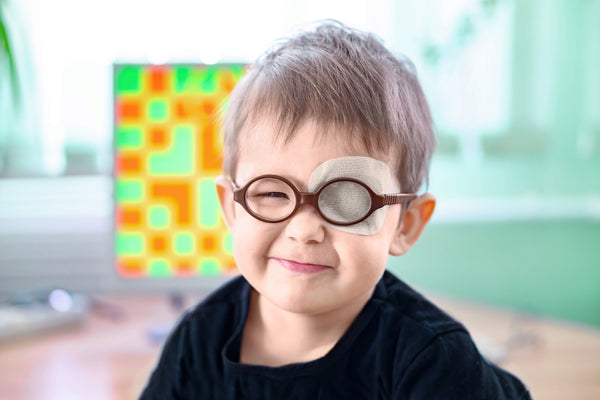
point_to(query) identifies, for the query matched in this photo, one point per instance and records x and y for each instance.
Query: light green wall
(542, 169)
(544, 267)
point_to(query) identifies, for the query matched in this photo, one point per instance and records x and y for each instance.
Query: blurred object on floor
(37, 313)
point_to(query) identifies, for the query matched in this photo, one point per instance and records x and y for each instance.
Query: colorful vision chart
(167, 154)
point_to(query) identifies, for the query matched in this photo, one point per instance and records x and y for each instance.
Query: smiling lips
(301, 267)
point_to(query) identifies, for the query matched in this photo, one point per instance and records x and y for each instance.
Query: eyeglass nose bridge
(303, 198)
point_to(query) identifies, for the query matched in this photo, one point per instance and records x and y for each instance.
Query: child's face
(303, 264)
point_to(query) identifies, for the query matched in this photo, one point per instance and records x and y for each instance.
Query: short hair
(343, 78)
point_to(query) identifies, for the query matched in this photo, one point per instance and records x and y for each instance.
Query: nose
(306, 225)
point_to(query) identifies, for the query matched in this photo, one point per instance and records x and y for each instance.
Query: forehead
(279, 135)
(262, 149)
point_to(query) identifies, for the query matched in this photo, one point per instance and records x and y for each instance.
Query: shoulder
(451, 367)
(193, 348)
(435, 356)
(411, 310)
(411, 322)
(220, 309)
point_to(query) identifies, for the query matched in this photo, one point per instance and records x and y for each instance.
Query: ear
(225, 194)
(415, 219)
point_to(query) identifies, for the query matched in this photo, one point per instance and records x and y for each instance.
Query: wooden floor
(555, 359)
(111, 355)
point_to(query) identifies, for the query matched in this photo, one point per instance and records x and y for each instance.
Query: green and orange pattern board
(167, 151)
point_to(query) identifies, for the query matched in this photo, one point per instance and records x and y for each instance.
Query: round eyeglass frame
(312, 198)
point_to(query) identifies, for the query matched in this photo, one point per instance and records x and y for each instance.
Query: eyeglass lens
(344, 201)
(270, 198)
(340, 201)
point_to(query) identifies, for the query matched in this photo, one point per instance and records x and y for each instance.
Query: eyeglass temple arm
(238, 194)
(398, 198)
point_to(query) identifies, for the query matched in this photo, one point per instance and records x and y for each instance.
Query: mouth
(302, 268)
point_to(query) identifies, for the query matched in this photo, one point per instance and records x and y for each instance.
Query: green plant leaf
(5, 47)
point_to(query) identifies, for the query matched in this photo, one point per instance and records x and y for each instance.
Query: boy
(327, 139)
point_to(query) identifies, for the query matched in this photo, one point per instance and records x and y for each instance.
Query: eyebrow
(289, 178)
(292, 181)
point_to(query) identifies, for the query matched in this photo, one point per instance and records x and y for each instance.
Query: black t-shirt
(400, 346)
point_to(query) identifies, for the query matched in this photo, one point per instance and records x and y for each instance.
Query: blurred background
(513, 85)
(514, 89)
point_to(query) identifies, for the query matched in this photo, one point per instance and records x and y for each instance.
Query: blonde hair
(343, 78)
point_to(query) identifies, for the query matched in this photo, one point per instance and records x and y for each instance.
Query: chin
(303, 303)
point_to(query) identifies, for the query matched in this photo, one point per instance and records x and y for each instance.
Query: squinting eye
(279, 195)
(268, 197)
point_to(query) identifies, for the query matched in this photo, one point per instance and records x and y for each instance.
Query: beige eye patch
(374, 173)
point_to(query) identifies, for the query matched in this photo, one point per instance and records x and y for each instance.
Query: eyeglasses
(341, 201)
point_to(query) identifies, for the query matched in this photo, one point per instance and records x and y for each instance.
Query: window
(513, 85)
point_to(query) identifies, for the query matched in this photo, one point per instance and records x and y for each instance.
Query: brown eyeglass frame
(377, 200)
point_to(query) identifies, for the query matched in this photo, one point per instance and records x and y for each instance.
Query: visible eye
(279, 195)
(269, 195)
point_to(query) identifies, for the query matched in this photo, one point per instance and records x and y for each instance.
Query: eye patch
(374, 173)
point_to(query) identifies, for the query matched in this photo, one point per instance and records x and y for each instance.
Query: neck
(276, 337)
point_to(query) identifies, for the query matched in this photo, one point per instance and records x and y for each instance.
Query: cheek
(378, 253)
(251, 239)
(366, 256)
(370, 253)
